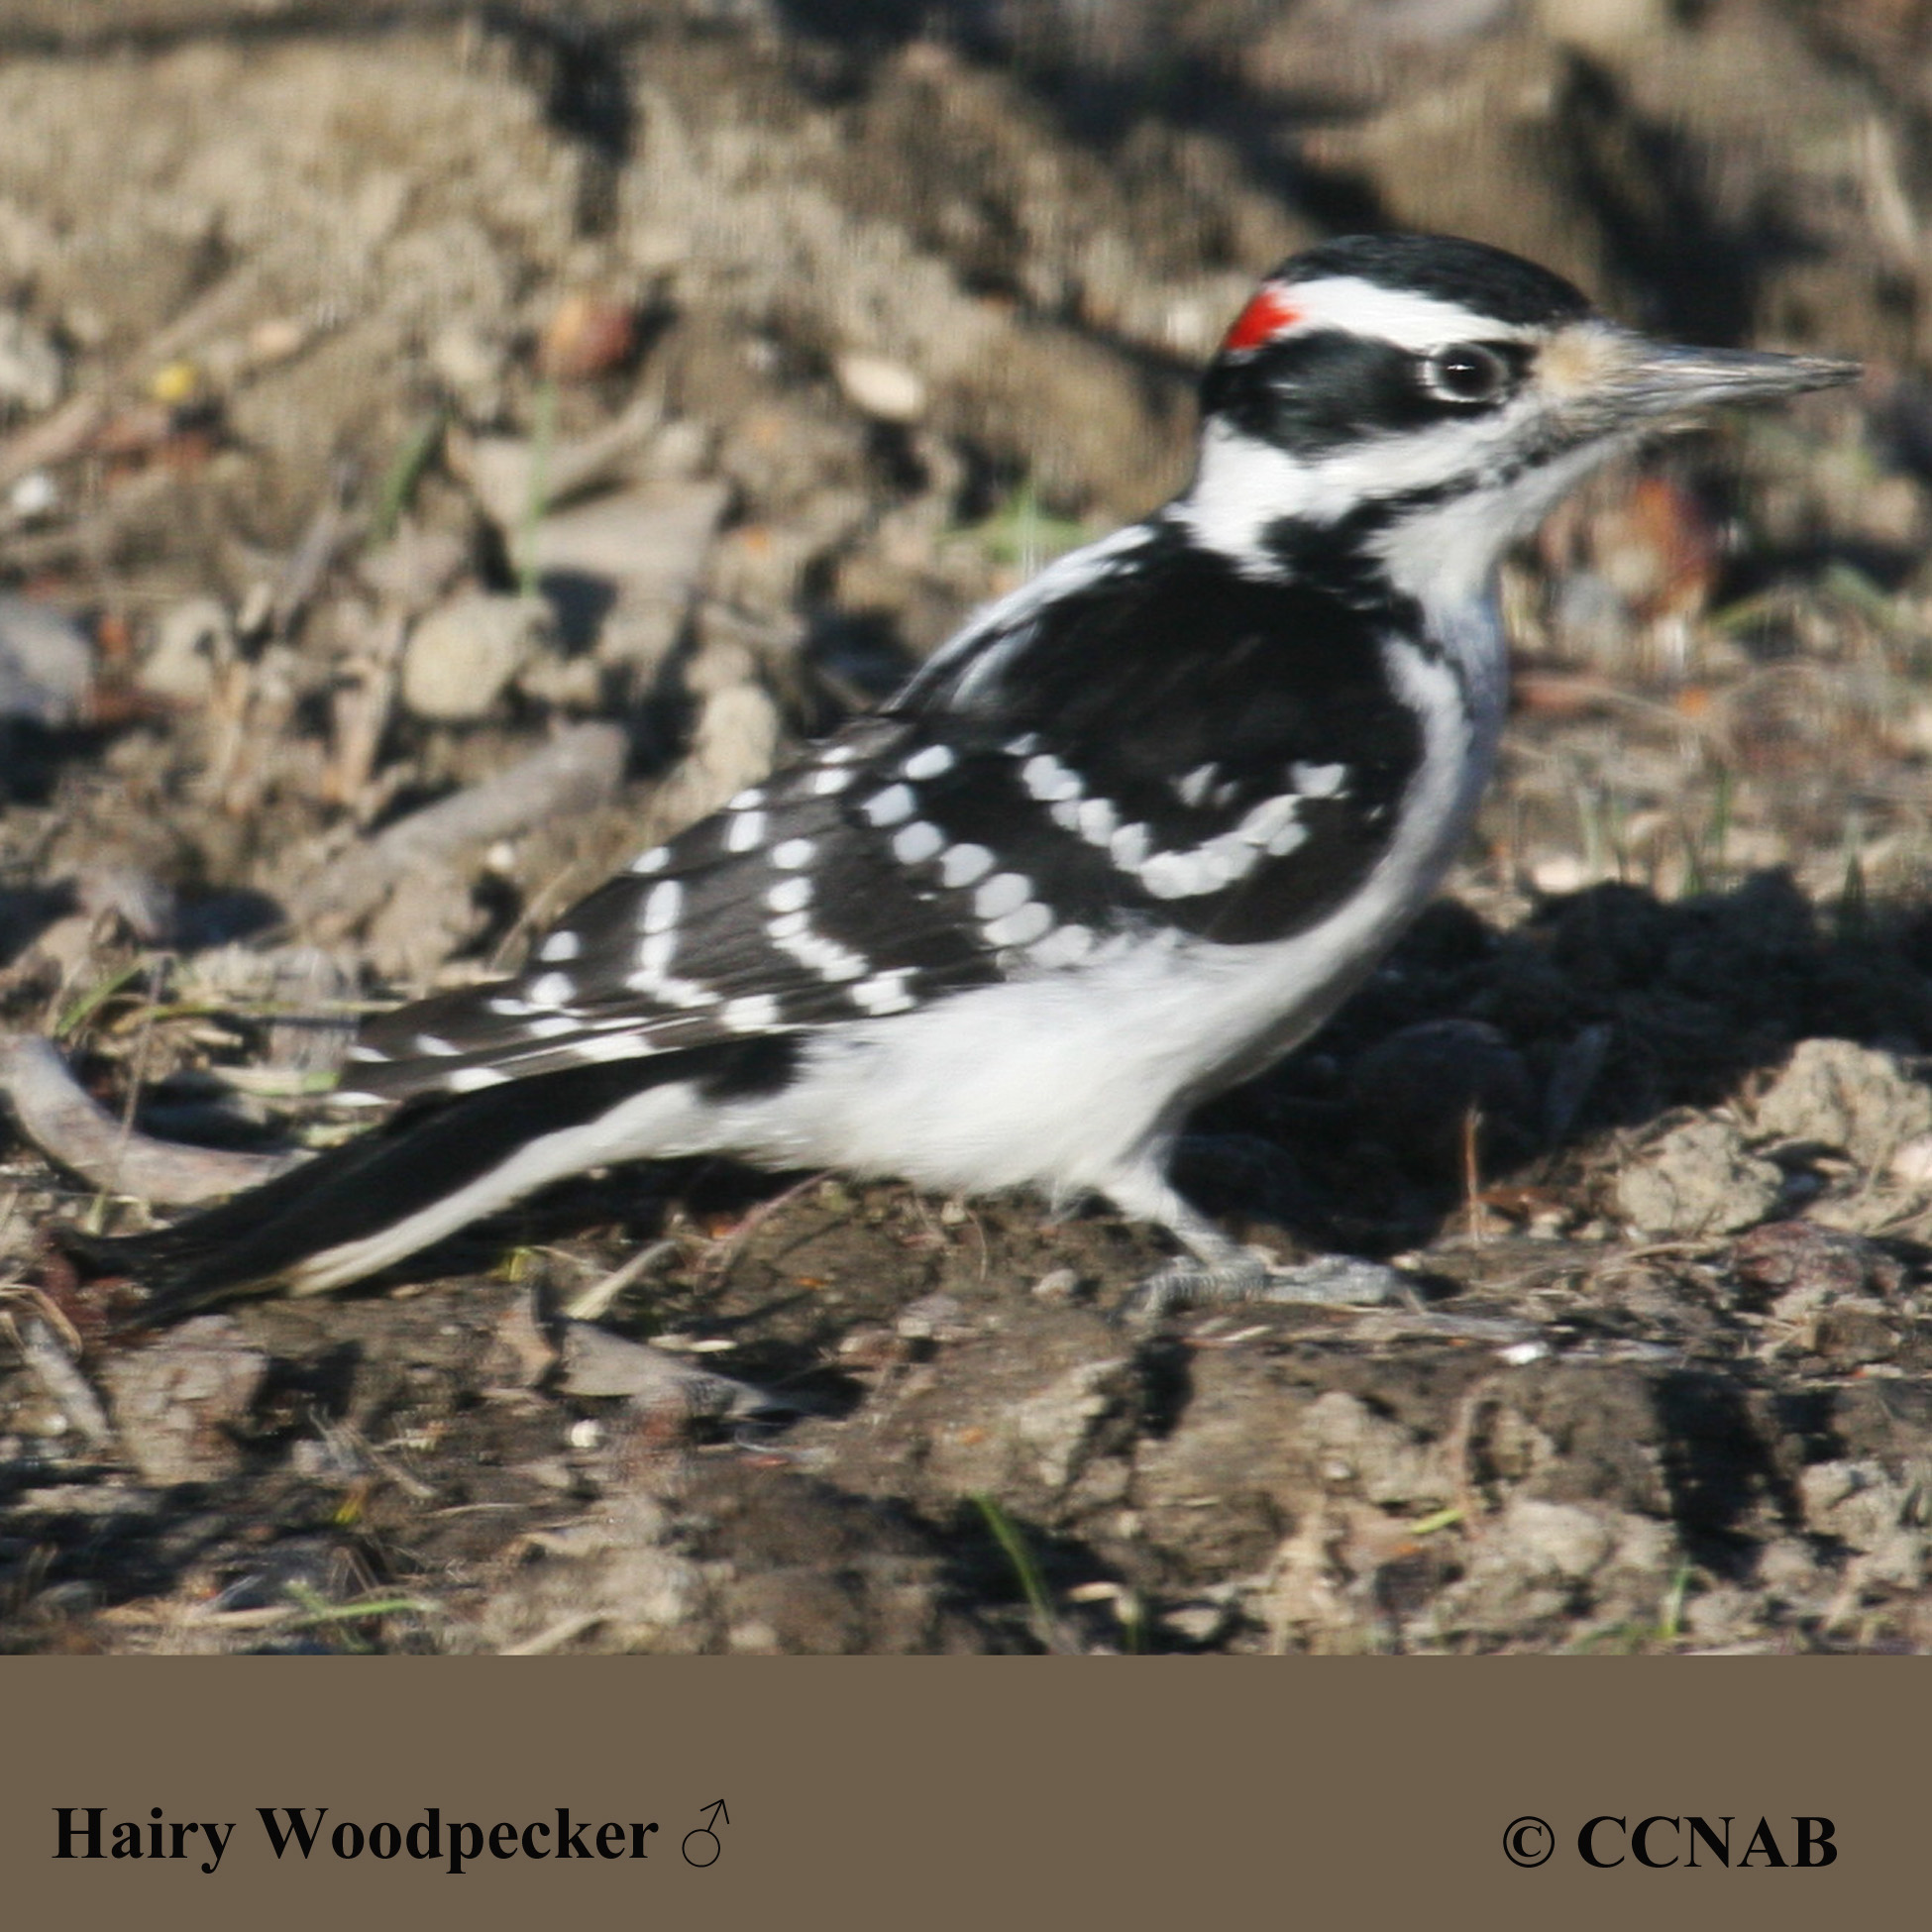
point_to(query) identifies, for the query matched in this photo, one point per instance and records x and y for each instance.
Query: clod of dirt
(1831, 1294)
(461, 658)
(176, 1401)
(1698, 1179)
(1792, 1262)
(1835, 1094)
(1547, 1562)
(1876, 1513)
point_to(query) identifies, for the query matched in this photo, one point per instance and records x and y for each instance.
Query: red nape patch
(1264, 318)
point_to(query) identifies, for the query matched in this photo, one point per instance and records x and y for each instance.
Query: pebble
(882, 388)
(33, 372)
(47, 663)
(192, 640)
(461, 658)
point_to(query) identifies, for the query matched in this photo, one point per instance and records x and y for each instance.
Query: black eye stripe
(1319, 390)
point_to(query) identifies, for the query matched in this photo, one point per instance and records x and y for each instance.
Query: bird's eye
(1466, 372)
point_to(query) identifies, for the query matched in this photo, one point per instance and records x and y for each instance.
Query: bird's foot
(1247, 1275)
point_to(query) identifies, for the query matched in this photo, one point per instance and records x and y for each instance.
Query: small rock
(1842, 1095)
(415, 567)
(597, 1363)
(1056, 1428)
(881, 388)
(470, 362)
(509, 475)
(47, 663)
(33, 372)
(1912, 1164)
(652, 539)
(933, 1317)
(587, 334)
(1698, 1179)
(1061, 1285)
(461, 658)
(176, 1401)
(34, 495)
(193, 639)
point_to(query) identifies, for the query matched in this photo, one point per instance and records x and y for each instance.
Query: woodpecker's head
(1415, 402)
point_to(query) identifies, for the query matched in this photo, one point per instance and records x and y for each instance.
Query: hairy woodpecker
(1129, 837)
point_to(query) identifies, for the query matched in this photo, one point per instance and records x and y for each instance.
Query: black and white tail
(430, 1170)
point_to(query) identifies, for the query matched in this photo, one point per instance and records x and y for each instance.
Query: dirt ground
(397, 397)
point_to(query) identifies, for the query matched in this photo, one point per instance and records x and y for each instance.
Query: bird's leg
(1217, 1270)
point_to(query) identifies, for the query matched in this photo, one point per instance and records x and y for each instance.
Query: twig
(590, 1303)
(53, 1367)
(72, 1128)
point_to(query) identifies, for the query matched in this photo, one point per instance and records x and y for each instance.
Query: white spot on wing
(745, 831)
(653, 961)
(932, 761)
(889, 806)
(788, 895)
(1005, 892)
(661, 909)
(833, 778)
(1176, 875)
(470, 1080)
(1065, 946)
(913, 844)
(1098, 820)
(1319, 781)
(552, 990)
(1268, 817)
(963, 864)
(1047, 778)
(793, 853)
(562, 946)
(884, 993)
(751, 1013)
(1021, 927)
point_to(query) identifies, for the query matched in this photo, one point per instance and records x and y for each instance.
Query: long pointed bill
(1661, 380)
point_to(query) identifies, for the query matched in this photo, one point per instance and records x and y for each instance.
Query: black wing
(1157, 748)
